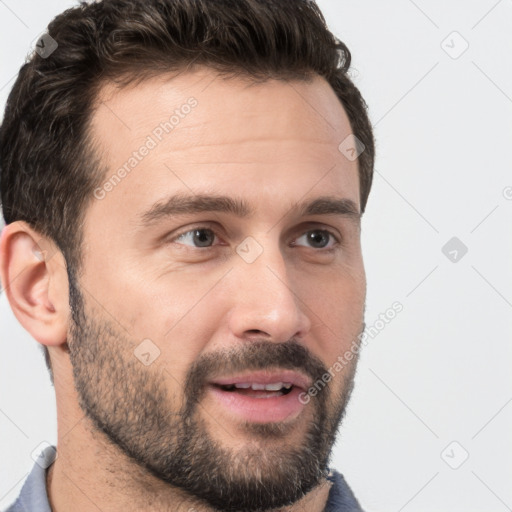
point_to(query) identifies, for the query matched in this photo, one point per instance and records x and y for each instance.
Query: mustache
(254, 355)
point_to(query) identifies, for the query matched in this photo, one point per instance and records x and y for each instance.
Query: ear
(34, 278)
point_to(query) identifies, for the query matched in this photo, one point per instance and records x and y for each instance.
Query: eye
(204, 237)
(318, 238)
(197, 237)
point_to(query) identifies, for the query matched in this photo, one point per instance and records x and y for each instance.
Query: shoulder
(341, 498)
(33, 496)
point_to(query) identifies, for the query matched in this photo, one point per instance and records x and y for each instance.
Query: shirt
(34, 498)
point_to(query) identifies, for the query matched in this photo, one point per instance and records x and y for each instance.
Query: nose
(265, 305)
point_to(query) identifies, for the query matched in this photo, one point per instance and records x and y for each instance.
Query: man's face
(181, 315)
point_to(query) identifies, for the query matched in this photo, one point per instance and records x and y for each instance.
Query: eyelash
(208, 228)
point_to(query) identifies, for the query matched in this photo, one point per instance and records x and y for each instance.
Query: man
(182, 183)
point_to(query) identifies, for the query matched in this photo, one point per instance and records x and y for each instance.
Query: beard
(133, 407)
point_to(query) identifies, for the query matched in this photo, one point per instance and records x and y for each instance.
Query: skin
(272, 144)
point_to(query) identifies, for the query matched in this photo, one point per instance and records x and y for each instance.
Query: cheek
(171, 317)
(337, 313)
(338, 294)
(164, 305)
(184, 320)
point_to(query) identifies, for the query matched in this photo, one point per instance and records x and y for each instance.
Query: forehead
(150, 100)
(200, 132)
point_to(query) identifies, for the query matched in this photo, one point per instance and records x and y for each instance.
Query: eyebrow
(181, 204)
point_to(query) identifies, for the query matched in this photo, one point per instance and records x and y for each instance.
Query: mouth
(257, 390)
(261, 397)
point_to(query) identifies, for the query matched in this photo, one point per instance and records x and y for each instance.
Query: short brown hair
(48, 165)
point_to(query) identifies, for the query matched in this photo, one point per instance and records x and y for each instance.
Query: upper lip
(265, 377)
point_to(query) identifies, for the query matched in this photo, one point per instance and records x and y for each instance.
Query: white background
(441, 370)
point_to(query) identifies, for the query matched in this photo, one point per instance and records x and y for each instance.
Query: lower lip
(260, 410)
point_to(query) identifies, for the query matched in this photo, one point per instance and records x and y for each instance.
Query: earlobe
(34, 278)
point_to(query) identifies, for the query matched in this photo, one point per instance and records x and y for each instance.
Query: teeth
(276, 386)
(273, 386)
(243, 385)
